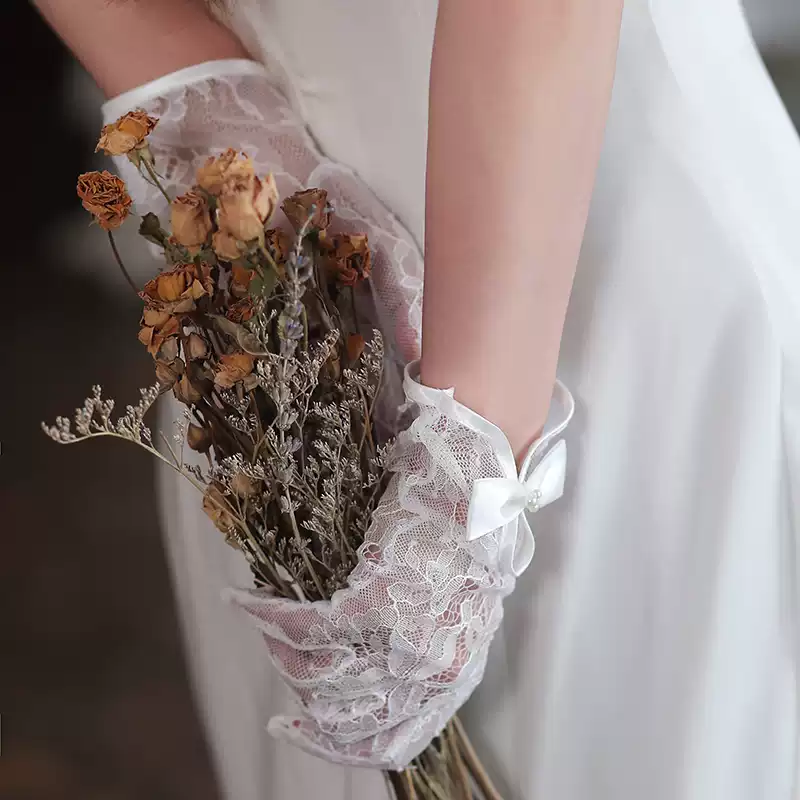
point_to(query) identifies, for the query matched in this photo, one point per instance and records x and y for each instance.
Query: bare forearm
(124, 43)
(519, 100)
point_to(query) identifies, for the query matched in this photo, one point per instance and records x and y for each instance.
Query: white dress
(651, 649)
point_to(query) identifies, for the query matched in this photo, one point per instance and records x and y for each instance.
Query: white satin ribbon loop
(500, 502)
(496, 502)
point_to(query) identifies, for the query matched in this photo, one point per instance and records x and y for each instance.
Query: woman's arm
(519, 99)
(125, 43)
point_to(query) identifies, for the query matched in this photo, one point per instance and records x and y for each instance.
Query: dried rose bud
(168, 374)
(105, 197)
(198, 438)
(333, 367)
(226, 246)
(185, 391)
(233, 368)
(219, 170)
(169, 350)
(191, 220)
(126, 134)
(244, 486)
(298, 209)
(245, 206)
(355, 347)
(195, 347)
(219, 512)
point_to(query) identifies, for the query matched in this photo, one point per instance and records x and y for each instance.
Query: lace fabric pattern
(381, 667)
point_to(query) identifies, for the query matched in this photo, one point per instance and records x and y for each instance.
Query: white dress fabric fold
(651, 648)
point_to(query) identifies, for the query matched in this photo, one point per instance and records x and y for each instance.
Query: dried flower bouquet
(255, 331)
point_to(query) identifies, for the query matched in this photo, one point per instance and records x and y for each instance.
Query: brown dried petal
(244, 486)
(225, 246)
(169, 350)
(355, 347)
(185, 391)
(233, 368)
(176, 290)
(218, 510)
(279, 244)
(168, 374)
(217, 171)
(191, 220)
(350, 258)
(155, 317)
(241, 311)
(154, 336)
(198, 438)
(298, 209)
(195, 347)
(245, 205)
(240, 280)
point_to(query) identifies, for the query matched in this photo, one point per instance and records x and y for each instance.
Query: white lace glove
(210, 107)
(381, 667)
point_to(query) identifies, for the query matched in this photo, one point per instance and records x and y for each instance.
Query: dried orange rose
(219, 170)
(191, 220)
(298, 209)
(166, 297)
(234, 368)
(126, 134)
(350, 258)
(245, 205)
(177, 290)
(157, 328)
(105, 197)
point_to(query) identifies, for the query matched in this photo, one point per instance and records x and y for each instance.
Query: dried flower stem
(355, 309)
(473, 762)
(118, 259)
(462, 782)
(301, 547)
(154, 179)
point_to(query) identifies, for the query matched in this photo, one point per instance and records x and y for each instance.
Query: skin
(518, 106)
(519, 99)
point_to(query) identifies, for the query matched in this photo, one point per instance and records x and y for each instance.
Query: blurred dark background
(94, 698)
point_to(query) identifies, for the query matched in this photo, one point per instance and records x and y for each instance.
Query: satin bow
(497, 502)
(500, 502)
